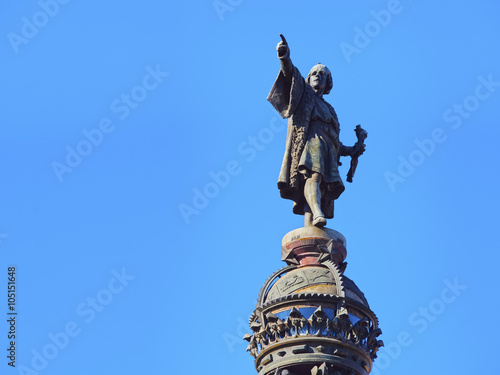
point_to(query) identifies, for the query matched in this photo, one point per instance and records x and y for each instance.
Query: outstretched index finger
(283, 39)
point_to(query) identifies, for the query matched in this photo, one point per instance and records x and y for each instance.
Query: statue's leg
(308, 216)
(312, 193)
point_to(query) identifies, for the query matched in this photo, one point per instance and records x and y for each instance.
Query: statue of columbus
(309, 173)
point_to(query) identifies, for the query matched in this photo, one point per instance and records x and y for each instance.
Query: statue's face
(318, 78)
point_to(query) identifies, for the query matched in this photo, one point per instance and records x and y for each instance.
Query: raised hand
(282, 48)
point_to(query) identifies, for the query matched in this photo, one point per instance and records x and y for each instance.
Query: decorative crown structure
(310, 318)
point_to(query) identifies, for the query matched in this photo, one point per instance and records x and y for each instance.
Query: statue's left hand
(358, 150)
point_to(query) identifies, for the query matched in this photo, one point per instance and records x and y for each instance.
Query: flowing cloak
(309, 148)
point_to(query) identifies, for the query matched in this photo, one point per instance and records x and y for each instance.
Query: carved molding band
(363, 333)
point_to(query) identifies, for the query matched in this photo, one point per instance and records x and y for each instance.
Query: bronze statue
(309, 173)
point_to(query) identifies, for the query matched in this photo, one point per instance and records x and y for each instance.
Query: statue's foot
(319, 221)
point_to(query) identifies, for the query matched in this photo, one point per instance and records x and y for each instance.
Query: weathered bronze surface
(309, 173)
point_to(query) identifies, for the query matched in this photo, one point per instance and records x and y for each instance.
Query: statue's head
(319, 78)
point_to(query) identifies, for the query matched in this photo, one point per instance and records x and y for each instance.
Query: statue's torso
(321, 112)
(324, 123)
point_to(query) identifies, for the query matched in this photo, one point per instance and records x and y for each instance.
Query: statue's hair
(329, 79)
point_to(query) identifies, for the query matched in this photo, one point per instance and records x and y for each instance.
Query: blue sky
(139, 167)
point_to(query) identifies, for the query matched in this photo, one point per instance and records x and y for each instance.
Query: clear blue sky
(117, 116)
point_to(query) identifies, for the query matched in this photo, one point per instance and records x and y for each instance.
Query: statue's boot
(319, 221)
